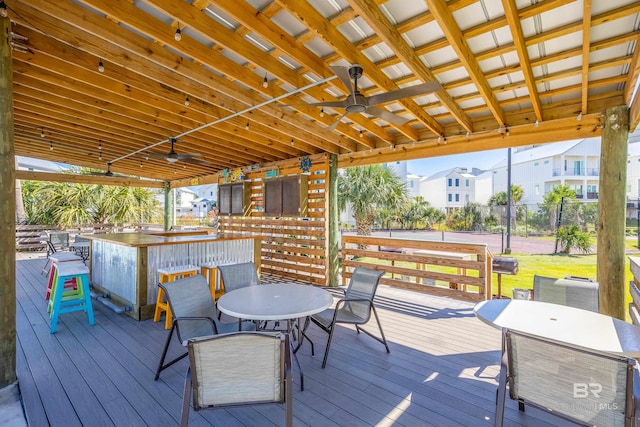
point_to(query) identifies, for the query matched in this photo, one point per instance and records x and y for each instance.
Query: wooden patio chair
(573, 383)
(355, 308)
(571, 291)
(194, 315)
(224, 372)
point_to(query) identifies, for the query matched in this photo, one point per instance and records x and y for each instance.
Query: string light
(246, 127)
(265, 82)
(140, 163)
(51, 146)
(444, 139)
(100, 145)
(536, 124)
(3, 9)
(178, 34)
(100, 155)
(101, 66)
(361, 134)
(42, 133)
(186, 101)
(175, 171)
(322, 112)
(468, 135)
(292, 142)
(579, 116)
(506, 131)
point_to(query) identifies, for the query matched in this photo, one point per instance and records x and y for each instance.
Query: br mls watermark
(591, 391)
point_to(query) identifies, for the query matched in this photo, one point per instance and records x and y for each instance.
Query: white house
(538, 169)
(633, 167)
(453, 188)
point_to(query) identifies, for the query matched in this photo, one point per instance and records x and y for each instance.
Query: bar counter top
(138, 240)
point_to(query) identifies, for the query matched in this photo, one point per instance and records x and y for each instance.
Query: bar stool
(169, 274)
(210, 271)
(62, 301)
(56, 258)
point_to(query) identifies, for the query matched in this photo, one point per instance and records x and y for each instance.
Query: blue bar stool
(62, 301)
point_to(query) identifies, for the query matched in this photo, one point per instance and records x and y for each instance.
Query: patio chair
(572, 291)
(573, 383)
(224, 372)
(355, 308)
(236, 276)
(195, 315)
(55, 243)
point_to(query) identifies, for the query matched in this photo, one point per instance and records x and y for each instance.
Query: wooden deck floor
(441, 371)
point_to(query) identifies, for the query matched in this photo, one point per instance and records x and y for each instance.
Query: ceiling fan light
(172, 159)
(265, 82)
(101, 66)
(178, 34)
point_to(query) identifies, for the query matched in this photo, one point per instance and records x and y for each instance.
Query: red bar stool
(56, 258)
(169, 274)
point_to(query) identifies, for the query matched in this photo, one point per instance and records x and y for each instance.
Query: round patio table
(571, 325)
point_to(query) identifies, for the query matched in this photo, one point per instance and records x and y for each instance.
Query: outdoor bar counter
(125, 265)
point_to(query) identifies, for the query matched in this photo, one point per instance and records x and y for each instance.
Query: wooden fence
(293, 247)
(457, 270)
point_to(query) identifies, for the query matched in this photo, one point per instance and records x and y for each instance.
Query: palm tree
(69, 205)
(500, 199)
(367, 189)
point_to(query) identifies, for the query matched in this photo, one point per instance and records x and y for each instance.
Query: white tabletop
(274, 302)
(562, 323)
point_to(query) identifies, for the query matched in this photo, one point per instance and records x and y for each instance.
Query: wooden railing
(457, 270)
(292, 248)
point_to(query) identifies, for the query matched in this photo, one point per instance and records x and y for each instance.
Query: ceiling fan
(356, 102)
(108, 173)
(172, 156)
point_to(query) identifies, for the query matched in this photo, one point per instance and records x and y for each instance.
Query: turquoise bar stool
(67, 301)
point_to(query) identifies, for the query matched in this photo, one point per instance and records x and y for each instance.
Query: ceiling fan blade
(157, 155)
(332, 104)
(335, 124)
(406, 92)
(386, 115)
(343, 75)
(186, 156)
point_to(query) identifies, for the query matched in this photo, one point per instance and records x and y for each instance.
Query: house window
(410, 184)
(457, 182)
(536, 164)
(592, 188)
(450, 182)
(546, 162)
(449, 197)
(467, 182)
(457, 197)
(537, 190)
(466, 198)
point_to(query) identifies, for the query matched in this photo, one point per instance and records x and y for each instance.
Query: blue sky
(480, 160)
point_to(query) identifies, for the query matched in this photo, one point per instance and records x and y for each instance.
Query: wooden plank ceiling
(512, 72)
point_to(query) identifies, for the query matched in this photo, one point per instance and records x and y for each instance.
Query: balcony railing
(576, 172)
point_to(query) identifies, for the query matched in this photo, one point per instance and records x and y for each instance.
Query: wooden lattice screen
(293, 247)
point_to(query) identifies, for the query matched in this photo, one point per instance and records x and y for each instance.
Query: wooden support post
(332, 218)
(7, 214)
(611, 211)
(167, 206)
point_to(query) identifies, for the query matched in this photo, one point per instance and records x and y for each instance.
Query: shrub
(572, 237)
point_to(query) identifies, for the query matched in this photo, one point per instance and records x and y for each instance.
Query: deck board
(441, 371)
